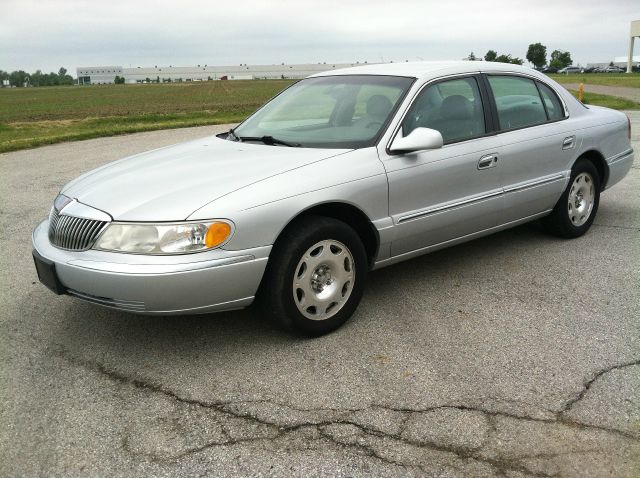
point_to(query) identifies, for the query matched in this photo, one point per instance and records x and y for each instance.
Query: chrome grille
(73, 233)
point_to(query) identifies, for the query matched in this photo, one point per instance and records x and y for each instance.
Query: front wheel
(315, 277)
(576, 209)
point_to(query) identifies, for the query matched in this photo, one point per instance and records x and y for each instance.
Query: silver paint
(417, 202)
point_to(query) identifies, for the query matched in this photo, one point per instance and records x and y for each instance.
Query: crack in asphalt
(587, 385)
(613, 226)
(344, 418)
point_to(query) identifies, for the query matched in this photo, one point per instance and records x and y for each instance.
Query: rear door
(537, 144)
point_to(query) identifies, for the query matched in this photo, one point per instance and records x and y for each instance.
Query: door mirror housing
(418, 140)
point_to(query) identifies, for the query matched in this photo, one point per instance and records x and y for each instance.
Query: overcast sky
(47, 34)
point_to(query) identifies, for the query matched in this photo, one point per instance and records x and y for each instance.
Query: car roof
(429, 69)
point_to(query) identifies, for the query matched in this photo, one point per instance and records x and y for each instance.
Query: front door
(436, 196)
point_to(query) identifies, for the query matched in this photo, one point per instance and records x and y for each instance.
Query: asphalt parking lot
(514, 355)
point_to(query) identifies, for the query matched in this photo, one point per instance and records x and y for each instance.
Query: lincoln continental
(342, 173)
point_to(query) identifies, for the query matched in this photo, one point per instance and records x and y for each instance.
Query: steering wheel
(374, 123)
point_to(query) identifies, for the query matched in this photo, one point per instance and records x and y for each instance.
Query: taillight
(629, 127)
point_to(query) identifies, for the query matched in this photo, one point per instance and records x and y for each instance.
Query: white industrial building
(98, 74)
(92, 75)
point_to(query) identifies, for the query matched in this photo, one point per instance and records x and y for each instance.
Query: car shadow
(86, 328)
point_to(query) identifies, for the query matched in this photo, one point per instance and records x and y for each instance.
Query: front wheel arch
(350, 215)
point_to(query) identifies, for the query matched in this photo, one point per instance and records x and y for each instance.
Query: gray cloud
(47, 34)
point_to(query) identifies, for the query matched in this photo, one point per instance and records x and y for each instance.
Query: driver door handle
(488, 161)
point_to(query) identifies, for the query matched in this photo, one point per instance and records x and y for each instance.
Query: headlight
(164, 238)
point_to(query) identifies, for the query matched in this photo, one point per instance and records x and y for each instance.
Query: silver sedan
(341, 173)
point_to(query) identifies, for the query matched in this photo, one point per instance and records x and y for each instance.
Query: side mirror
(417, 140)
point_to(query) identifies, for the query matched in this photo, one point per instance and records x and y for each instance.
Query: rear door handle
(488, 161)
(568, 142)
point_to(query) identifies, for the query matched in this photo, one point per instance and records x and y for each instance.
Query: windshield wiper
(270, 140)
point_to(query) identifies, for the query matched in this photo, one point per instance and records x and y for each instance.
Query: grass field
(608, 101)
(35, 116)
(607, 79)
(32, 117)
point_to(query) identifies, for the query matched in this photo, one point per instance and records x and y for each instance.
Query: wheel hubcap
(581, 198)
(323, 280)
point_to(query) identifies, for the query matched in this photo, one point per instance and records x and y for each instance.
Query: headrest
(379, 106)
(456, 107)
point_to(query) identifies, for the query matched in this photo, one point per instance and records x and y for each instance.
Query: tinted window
(518, 102)
(452, 107)
(551, 101)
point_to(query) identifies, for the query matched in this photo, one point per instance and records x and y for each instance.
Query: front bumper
(181, 284)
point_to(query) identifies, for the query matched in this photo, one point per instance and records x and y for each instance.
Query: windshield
(327, 112)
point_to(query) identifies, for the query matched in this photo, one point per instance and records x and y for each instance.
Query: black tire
(559, 222)
(276, 293)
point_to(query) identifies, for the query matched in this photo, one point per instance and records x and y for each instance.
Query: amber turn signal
(217, 233)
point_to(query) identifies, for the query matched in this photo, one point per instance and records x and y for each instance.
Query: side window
(518, 102)
(453, 107)
(551, 101)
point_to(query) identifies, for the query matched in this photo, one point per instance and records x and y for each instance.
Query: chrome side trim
(619, 156)
(424, 250)
(446, 207)
(153, 269)
(532, 184)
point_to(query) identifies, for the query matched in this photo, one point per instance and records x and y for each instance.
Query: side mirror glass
(418, 140)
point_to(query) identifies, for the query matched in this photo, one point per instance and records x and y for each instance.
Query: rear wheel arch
(600, 163)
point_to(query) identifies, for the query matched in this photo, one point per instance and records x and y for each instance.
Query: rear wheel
(315, 277)
(576, 209)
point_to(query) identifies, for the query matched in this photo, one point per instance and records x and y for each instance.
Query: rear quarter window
(551, 102)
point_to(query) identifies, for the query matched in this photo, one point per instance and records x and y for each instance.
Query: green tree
(37, 78)
(508, 59)
(560, 59)
(54, 79)
(537, 54)
(491, 55)
(19, 78)
(471, 57)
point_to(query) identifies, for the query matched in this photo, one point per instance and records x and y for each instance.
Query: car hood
(168, 184)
